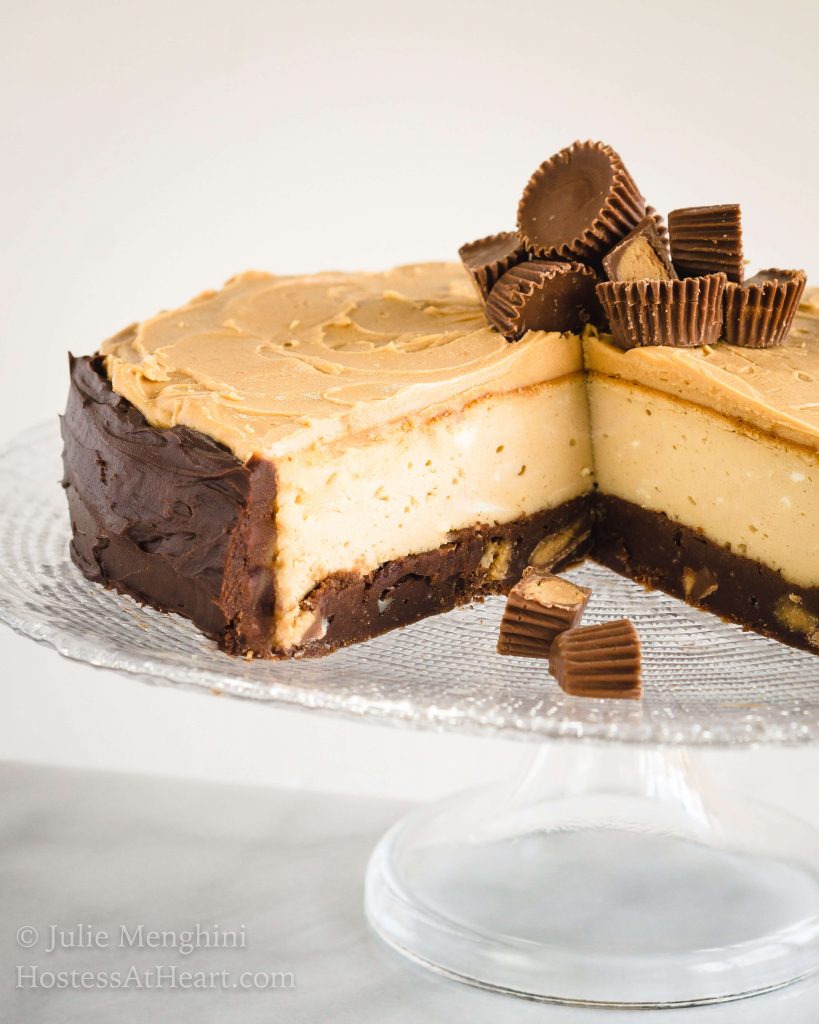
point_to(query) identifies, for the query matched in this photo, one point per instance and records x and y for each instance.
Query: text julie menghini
(54, 940)
(136, 936)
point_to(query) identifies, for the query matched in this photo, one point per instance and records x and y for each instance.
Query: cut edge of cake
(173, 518)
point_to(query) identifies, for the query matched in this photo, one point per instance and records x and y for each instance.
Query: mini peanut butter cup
(539, 607)
(487, 259)
(707, 240)
(578, 203)
(543, 295)
(760, 311)
(640, 256)
(675, 313)
(598, 661)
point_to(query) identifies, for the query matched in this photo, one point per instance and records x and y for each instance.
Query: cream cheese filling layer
(747, 491)
(405, 490)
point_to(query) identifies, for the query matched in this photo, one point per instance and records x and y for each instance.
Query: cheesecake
(300, 463)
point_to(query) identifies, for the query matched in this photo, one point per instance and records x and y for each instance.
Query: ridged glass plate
(705, 682)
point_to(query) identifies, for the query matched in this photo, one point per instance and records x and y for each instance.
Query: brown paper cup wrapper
(554, 215)
(674, 313)
(760, 312)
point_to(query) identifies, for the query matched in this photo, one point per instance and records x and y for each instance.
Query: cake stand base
(603, 874)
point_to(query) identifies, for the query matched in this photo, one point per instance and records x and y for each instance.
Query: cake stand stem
(603, 874)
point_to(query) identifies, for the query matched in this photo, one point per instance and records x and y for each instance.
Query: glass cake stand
(606, 872)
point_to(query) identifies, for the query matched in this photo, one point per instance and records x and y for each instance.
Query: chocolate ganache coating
(167, 515)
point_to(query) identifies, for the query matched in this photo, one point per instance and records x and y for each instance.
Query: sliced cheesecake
(301, 463)
(707, 470)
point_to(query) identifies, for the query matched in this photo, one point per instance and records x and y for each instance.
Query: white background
(151, 150)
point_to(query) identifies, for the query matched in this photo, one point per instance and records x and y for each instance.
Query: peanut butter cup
(539, 607)
(487, 259)
(675, 313)
(578, 203)
(598, 661)
(640, 256)
(707, 240)
(759, 312)
(543, 295)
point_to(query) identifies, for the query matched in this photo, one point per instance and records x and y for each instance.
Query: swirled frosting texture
(270, 365)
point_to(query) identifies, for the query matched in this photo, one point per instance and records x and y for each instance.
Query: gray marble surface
(281, 869)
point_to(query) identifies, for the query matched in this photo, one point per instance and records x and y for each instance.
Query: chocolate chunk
(598, 661)
(640, 256)
(759, 312)
(539, 607)
(675, 313)
(707, 240)
(578, 203)
(542, 295)
(489, 258)
(557, 548)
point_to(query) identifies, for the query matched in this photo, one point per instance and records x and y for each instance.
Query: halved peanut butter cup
(640, 256)
(539, 607)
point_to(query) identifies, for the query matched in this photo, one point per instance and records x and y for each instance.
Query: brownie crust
(654, 550)
(174, 519)
(353, 608)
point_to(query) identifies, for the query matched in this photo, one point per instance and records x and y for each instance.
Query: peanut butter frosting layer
(773, 389)
(269, 365)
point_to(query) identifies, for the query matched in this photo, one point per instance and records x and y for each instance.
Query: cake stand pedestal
(606, 872)
(602, 875)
